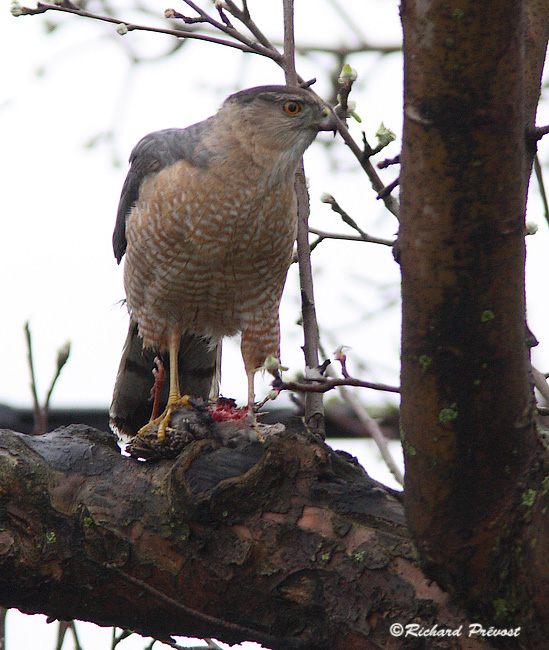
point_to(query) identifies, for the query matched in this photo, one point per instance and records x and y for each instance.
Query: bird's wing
(152, 153)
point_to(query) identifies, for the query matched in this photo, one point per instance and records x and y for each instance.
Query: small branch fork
(242, 42)
(370, 426)
(322, 235)
(41, 412)
(368, 423)
(346, 218)
(323, 385)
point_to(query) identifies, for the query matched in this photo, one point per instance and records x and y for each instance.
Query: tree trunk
(283, 542)
(476, 488)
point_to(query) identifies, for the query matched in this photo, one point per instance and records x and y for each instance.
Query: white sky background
(59, 197)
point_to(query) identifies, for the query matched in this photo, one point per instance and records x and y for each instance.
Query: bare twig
(539, 131)
(386, 191)
(314, 244)
(64, 626)
(62, 358)
(179, 33)
(289, 44)
(41, 412)
(388, 162)
(243, 15)
(227, 28)
(117, 639)
(540, 382)
(541, 185)
(371, 427)
(314, 413)
(257, 635)
(346, 218)
(3, 613)
(390, 202)
(364, 237)
(347, 19)
(223, 16)
(323, 385)
(210, 645)
(343, 51)
(40, 419)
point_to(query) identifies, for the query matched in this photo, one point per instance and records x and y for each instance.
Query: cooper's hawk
(207, 219)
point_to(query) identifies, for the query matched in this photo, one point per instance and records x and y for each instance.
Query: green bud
(326, 198)
(63, 354)
(531, 228)
(347, 75)
(16, 9)
(384, 135)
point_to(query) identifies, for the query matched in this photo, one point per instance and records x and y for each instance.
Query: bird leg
(273, 366)
(175, 400)
(159, 374)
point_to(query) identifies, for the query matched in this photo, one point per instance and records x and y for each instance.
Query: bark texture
(476, 488)
(283, 542)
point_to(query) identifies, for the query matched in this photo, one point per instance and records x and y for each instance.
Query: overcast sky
(60, 94)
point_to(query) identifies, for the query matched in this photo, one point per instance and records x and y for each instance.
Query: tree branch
(323, 385)
(284, 542)
(539, 175)
(263, 48)
(390, 202)
(40, 415)
(253, 48)
(329, 199)
(322, 234)
(314, 410)
(369, 425)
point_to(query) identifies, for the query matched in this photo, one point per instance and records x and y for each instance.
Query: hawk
(207, 220)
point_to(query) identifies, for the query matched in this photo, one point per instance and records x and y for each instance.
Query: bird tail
(199, 375)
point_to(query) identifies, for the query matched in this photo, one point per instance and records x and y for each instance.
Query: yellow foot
(254, 424)
(163, 421)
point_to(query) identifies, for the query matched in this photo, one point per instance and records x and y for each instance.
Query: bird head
(281, 120)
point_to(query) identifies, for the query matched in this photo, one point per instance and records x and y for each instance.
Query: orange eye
(292, 108)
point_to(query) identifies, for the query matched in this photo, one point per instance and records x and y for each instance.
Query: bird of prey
(207, 220)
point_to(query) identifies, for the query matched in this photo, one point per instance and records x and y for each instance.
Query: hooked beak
(328, 122)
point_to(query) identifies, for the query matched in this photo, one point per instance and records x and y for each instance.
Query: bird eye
(292, 108)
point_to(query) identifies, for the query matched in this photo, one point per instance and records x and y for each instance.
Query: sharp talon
(163, 421)
(184, 402)
(161, 433)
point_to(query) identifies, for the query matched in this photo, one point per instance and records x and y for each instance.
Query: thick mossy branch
(284, 542)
